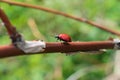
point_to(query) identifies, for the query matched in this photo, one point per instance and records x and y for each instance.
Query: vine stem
(63, 14)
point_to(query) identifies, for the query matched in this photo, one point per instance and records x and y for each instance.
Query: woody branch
(51, 47)
(11, 50)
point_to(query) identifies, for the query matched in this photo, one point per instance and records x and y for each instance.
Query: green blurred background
(30, 22)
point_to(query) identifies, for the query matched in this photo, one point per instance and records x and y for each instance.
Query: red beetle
(63, 37)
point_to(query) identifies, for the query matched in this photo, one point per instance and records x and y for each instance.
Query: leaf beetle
(63, 37)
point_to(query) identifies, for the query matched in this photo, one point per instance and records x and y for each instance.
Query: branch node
(31, 46)
(117, 43)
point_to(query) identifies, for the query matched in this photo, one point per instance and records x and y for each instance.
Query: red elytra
(63, 37)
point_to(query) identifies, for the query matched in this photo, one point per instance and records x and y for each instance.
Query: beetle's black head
(57, 36)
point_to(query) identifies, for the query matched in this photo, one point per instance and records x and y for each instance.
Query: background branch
(63, 14)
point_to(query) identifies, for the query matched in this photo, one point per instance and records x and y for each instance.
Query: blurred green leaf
(43, 67)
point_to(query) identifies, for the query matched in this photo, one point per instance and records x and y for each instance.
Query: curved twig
(63, 14)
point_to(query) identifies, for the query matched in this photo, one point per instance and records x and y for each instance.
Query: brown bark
(10, 50)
